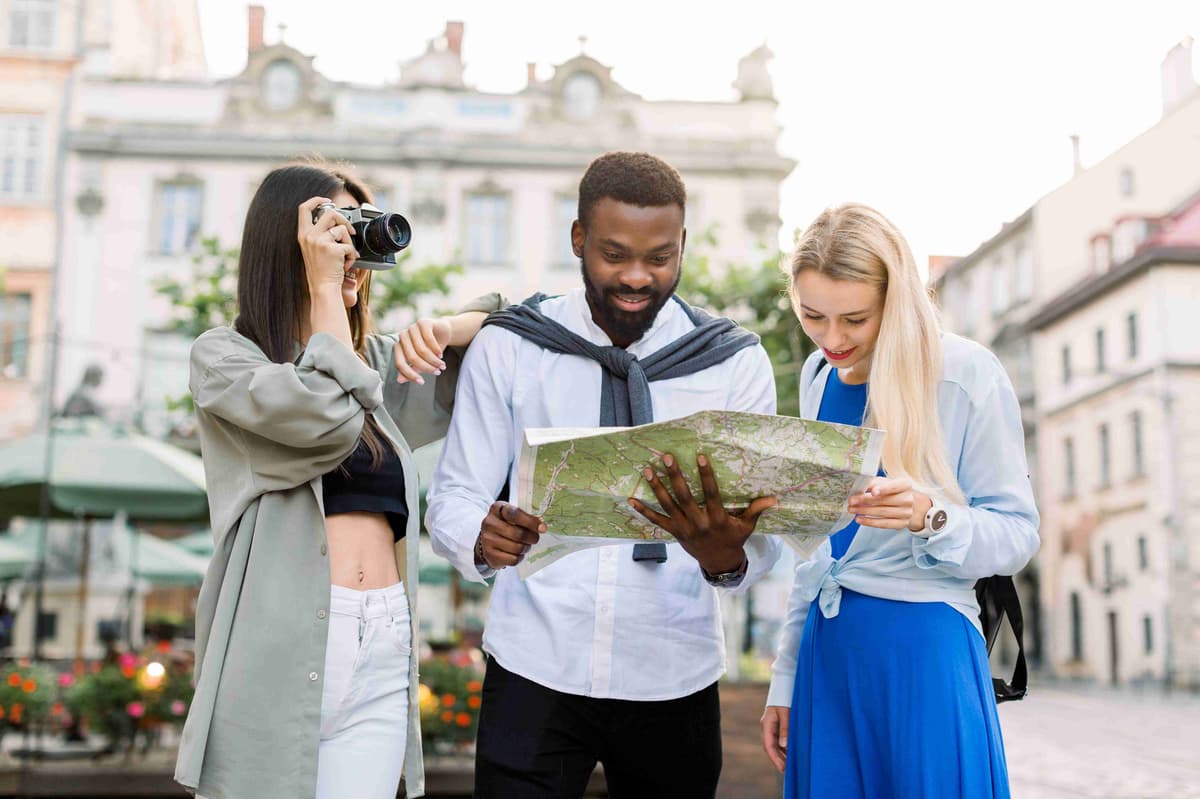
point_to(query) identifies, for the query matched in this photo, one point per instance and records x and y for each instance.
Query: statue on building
(82, 402)
(753, 80)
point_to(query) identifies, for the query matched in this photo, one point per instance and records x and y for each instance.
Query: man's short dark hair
(637, 179)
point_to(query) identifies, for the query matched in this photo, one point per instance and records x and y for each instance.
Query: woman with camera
(881, 686)
(306, 664)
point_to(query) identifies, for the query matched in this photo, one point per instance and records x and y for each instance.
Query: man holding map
(612, 653)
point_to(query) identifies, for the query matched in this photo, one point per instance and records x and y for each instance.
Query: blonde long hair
(856, 242)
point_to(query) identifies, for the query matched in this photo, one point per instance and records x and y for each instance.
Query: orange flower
(163, 646)
(57, 709)
(463, 719)
(474, 702)
(448, 700)
(474, 686)
(1, 711)
(128, 671)
(448, 716)
(14, 679)
(29, 686)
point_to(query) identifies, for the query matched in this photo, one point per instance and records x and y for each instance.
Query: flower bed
(451, 693)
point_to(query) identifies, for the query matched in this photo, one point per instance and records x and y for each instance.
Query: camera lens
(387, 234)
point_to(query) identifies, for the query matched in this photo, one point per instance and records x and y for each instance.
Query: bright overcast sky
(950, 116)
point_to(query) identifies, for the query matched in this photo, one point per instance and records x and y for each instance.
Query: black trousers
(538, 743)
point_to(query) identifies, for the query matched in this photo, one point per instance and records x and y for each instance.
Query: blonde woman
(881, 685)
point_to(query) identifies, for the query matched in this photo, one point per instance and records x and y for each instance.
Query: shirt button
(320, 614)
(312, 676)
(324, 549)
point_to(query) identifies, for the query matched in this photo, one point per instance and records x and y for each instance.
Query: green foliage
(119, 698)
(450, 698)
(26, 694)
(208, 297)
(756, 297)
(404, 286)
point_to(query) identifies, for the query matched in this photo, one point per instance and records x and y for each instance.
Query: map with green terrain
(578, 480)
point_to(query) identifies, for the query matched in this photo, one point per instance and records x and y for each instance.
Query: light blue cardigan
(995, 533)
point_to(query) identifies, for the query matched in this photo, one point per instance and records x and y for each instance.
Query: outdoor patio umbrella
(98, 472)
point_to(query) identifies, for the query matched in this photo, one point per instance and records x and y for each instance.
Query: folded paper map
(579, 479)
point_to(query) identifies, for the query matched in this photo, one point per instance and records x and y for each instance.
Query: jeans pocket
(400, 634)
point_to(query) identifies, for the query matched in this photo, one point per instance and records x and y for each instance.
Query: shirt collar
(648, 343)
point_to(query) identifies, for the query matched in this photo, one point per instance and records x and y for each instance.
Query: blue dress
(891, 699)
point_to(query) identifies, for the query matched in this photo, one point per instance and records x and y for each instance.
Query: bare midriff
(362, 554)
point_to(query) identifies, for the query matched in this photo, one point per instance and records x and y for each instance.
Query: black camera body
(378, 235)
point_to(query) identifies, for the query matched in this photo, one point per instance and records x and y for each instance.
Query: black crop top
(355, 486)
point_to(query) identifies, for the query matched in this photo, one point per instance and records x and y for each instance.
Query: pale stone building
(487, 180)
(1041, 294)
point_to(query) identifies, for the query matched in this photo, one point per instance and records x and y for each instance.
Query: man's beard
(617, 322)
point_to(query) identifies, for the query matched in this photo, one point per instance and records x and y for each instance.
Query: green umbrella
(13, 559)
(140, 554)
(98, 474)
(200, 543)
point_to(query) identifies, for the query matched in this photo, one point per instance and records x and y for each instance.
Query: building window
(1100, 365)
(47, 626)
(14, 334)
(1108, 564)
(178, 211)
(565, 208)
(21, 163)
(1125, 182)
(1101, 254)
(1105, 459)
(1143, 553)
(488, 219)
(31, 24)
(1135, 434)
(1069, 467)
(1066, 364)
(1023, 258)
(1076, 627)
(1147, 634)
(1127, 237)
(1131, 335)
(999, 286)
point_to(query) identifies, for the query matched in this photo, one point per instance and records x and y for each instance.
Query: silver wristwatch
(935, 521)
(727, 578)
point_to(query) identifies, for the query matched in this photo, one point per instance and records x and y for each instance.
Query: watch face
(939, 521)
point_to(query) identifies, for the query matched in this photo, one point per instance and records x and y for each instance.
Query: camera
(378, 235)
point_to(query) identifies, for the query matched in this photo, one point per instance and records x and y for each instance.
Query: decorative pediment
(279, 82)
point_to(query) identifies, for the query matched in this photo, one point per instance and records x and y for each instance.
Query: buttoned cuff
(780, 692)
(950, 546)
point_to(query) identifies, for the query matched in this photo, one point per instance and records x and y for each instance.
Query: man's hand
(712, 535)
(506, 535)
(775, 735)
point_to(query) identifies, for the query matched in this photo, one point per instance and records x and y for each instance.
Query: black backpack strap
(998, 598)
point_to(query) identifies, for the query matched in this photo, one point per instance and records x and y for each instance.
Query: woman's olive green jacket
(268, 431)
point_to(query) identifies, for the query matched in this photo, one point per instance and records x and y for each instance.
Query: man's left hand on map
(708, 532)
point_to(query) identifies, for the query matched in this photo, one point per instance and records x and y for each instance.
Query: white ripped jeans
(364, 706)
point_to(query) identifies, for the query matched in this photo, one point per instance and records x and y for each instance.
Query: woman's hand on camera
(419, 349)
(325, 245)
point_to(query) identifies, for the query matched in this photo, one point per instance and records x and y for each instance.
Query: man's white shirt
(594, 623)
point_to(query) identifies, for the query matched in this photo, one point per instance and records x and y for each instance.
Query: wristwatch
(727, 578)
(935, 521)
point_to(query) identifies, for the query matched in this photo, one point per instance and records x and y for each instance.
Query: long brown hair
(272, 290)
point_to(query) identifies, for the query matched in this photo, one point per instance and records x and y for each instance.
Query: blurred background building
(1090, 299)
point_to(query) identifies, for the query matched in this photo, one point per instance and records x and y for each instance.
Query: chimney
(1077, 162)
(254, 41)
(1177, 81)
(454, 37)
(530, 73)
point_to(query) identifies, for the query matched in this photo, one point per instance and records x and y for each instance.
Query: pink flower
(66, 680)
(127, 660)
(179, 707)
(135, 710)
